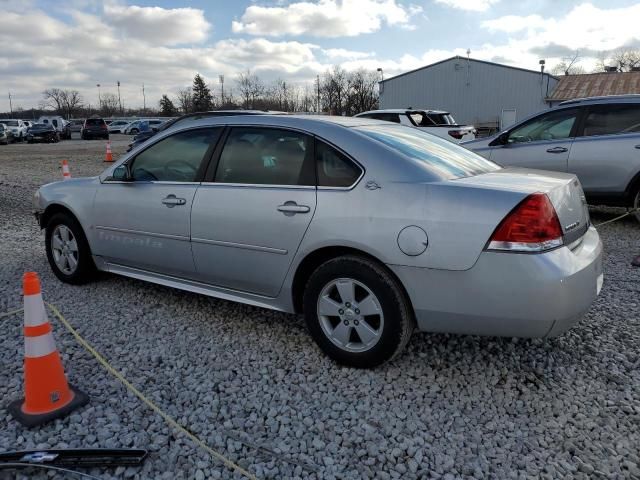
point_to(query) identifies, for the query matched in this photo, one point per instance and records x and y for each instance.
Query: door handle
(557, 150)
(171, 201)
(638, 147)
(291, 208)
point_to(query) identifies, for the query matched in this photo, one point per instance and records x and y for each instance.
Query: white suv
(17, 128)
(437, 122)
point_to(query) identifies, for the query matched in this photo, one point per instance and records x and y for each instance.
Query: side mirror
(501, 139)
(121, 173)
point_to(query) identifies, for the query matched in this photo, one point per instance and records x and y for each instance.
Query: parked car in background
(117, 126)
(59, 123)
(138, 126)
(76, 125)
(437, 122)
(6, 136)
(368, 228)
(142, 137)
(28, 123)
(598, 139)
(42, 132)
(17, 128)
(94, 128)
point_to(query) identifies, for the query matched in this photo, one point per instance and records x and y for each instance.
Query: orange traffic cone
(47, 394)
(66, 174)
(108, 157)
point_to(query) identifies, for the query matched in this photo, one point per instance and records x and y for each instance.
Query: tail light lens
(457, 134)
(532, 226)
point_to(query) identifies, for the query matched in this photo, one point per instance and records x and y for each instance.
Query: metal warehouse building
(476, 92)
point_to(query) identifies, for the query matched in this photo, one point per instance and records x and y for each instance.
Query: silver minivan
(597, 138)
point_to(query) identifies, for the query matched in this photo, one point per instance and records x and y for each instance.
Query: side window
(612, 119)
(266, 156)
(334, 168)
(176, 158)
(550, 126)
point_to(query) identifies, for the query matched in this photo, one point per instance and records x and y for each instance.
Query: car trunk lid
(563, 190)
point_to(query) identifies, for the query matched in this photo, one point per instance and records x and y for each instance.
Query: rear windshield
(420, 119)
(10, 123)
(95, 121)
(446, 158)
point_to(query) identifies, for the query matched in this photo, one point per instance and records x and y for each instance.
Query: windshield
(10, 123)
(448, 159)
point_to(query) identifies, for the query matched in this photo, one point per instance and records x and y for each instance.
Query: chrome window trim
(259, 185)
(149, 182)
(243, 246)
(141, 232)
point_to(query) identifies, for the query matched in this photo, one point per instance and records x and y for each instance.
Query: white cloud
(472, 5)
(341, 54)
(155, 24)
(514, 23)
(325, 18)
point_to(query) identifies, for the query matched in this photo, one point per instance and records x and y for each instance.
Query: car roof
(300, 121)
(406, 110)
(603, 99)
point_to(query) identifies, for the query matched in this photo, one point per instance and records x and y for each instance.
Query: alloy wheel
(350, 315)
(64, 248)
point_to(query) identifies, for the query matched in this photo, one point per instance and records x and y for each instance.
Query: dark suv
(94, 128)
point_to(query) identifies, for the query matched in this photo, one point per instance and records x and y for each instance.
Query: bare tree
(626, 59)
(185, 100)
(109, 104)
(569, 65)
(54, 99)
(72, 101)
(363, 91)
(250, 87)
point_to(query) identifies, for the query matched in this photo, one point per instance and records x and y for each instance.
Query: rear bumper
(505, 294)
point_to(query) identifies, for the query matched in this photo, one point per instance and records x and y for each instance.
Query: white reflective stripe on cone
(34, 312)
(39, 346)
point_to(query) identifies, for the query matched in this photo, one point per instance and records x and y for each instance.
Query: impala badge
(571, 226)
(372, 185)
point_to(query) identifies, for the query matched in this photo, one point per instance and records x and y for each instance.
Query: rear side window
(176, 158)
(334, 168)
(612, 119)
(266, 156)
(387, 117)
(445, 158)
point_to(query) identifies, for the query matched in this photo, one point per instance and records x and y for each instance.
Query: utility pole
(10, 105)
(119, 100)
(221, 78)
(318, 95)
(99, 98)
(144, 100)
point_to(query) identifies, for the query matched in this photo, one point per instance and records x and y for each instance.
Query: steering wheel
(172, 170)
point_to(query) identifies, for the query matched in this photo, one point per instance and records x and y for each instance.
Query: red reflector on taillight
(532, 226)
(457, 134)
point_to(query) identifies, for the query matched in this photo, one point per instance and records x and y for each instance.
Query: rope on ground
(167, 418)
(630, 212)
(11, 313)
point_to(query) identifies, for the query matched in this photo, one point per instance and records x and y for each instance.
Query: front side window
(550, 126)
(266, 156)
(447, 159)
(334, 168)
(612, 119)
(176, 158)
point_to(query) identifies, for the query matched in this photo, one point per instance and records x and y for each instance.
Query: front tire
(68, 250)
(356, 312)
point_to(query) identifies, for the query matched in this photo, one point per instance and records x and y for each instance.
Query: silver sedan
(368, 228)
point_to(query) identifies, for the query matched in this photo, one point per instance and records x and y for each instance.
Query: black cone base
(80, 399)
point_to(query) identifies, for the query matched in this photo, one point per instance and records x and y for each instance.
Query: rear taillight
(532, 226)
(457, 134)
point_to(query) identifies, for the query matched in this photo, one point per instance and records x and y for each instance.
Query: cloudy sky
(80, 43)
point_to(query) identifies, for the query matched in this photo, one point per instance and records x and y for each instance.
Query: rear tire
(636, 204)
(68, 251)
(357, 312)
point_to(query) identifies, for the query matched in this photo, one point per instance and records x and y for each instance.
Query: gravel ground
(243, 378)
